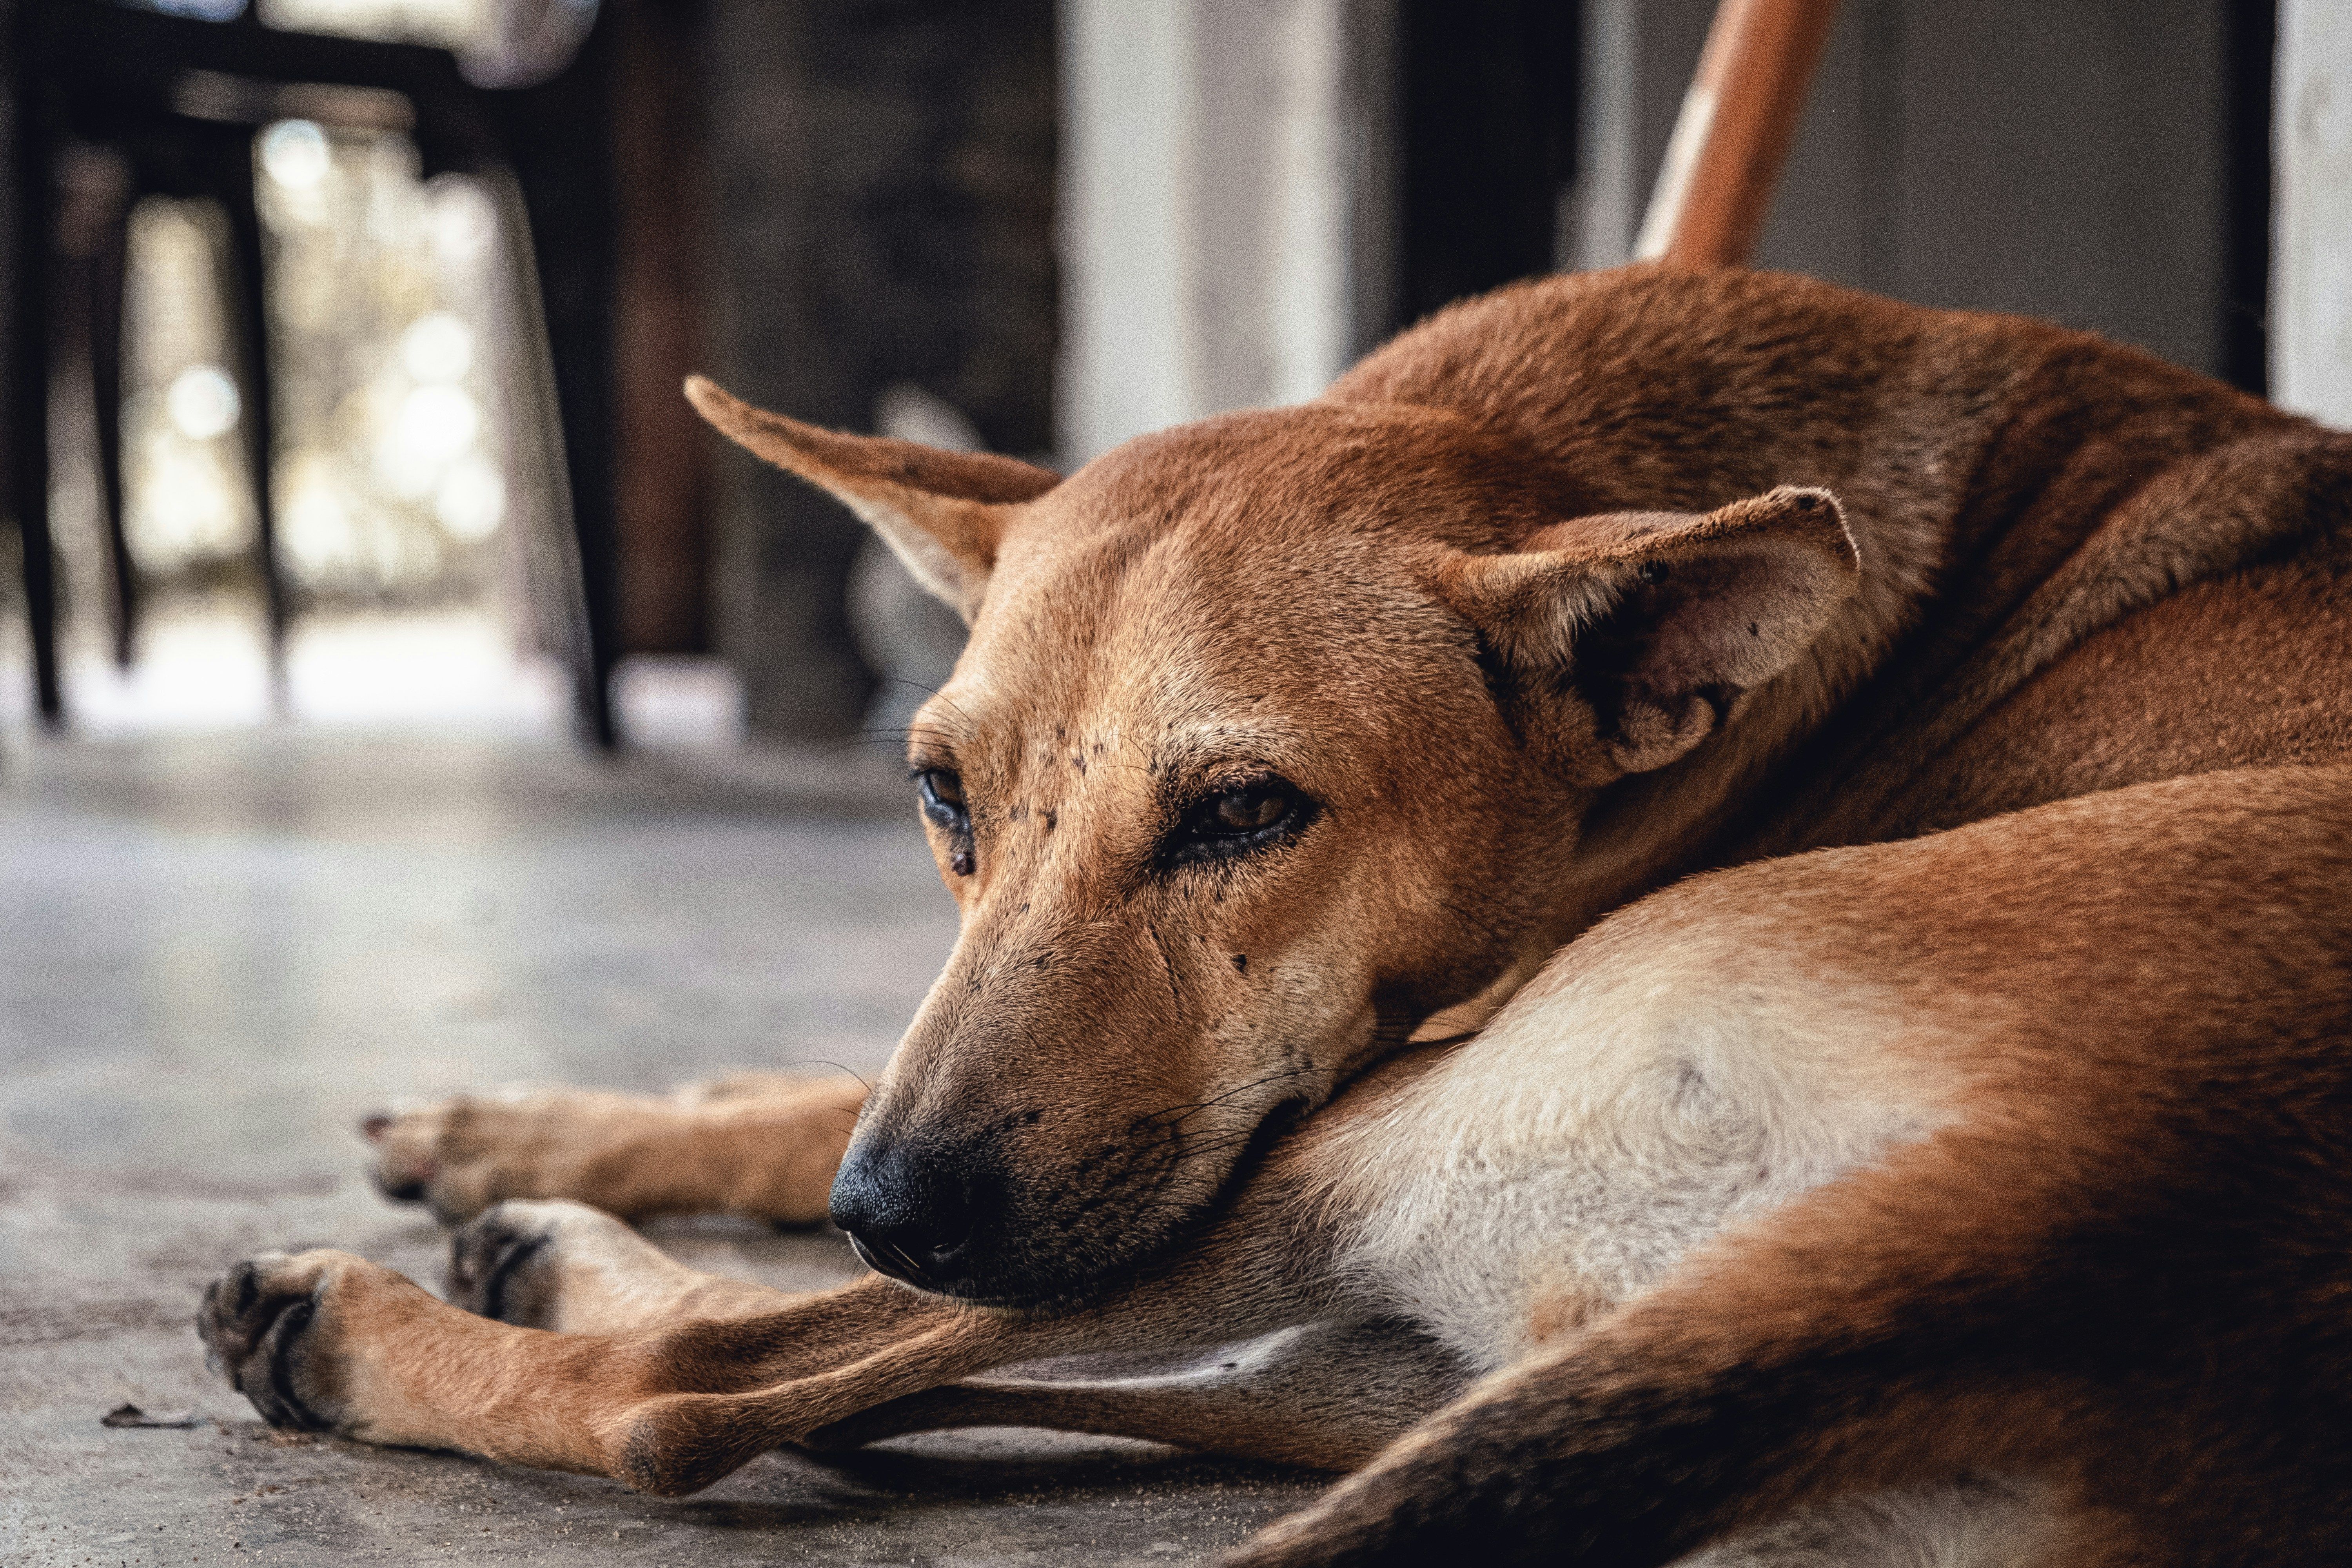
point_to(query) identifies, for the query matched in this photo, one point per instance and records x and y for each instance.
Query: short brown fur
(1576, 590)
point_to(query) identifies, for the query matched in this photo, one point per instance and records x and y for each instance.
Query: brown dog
(1982, 1192)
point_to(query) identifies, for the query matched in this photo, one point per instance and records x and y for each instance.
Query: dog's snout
(908, 1212)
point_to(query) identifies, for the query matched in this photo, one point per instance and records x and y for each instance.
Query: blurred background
(401, 692)
(346, 335)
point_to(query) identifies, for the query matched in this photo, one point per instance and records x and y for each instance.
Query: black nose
(908, 1212)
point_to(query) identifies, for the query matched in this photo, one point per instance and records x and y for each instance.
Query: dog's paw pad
(260, 1324)
(512, 1261)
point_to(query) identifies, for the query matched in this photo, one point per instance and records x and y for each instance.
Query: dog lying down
(1875, 780)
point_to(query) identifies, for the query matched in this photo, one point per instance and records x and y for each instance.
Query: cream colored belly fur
(1613, 1117)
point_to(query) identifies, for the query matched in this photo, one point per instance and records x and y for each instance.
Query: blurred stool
(174, 103)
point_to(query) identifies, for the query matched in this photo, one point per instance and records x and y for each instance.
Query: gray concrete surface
(216, 953)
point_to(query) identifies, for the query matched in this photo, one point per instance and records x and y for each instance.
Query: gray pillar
(2311, 302)
(1208, 200)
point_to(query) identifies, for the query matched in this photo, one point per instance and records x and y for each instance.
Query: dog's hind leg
(2005, 1300)
(1328, 1396)
(764, 1145)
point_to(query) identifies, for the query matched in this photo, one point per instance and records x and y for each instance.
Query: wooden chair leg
(250, 287)
(1733, 134)
(33, 231)
(109, 273)
(566, 185)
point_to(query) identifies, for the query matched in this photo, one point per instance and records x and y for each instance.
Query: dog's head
(1276, 736)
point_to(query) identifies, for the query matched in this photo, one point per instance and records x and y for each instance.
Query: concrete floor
(216, 953)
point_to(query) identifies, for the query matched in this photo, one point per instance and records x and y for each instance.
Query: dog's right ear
(942, 512)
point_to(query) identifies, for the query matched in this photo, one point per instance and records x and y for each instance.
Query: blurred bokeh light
(444, 22)
(391, 473)
(390, 481)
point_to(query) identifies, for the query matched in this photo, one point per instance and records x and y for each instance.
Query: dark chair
(178, 102)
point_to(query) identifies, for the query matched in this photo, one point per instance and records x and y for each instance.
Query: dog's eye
(1247, 810)
(1238, 820)
(941, 793)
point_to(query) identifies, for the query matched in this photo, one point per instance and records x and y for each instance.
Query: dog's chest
(1512, 1243)
(1511, 1200)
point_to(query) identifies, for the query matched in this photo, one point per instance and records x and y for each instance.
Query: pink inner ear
(1736, 616)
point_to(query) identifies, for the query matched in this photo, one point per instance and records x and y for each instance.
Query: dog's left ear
(943, 512)
(1657, 621)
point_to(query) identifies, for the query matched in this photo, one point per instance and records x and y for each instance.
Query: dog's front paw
(270, 1327)
(460, 1155)
(556, 1264)
(499, 1265)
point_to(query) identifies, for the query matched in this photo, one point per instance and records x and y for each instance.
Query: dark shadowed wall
(2100, 162)
(882, 176)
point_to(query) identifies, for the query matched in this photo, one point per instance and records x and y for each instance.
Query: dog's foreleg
(763, 1145)
(324, 1341)
(1328, 1395)
(331, 1342)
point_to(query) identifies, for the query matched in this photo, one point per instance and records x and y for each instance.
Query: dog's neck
(1649, 829)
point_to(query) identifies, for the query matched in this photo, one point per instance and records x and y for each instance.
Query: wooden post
(1733, 134)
